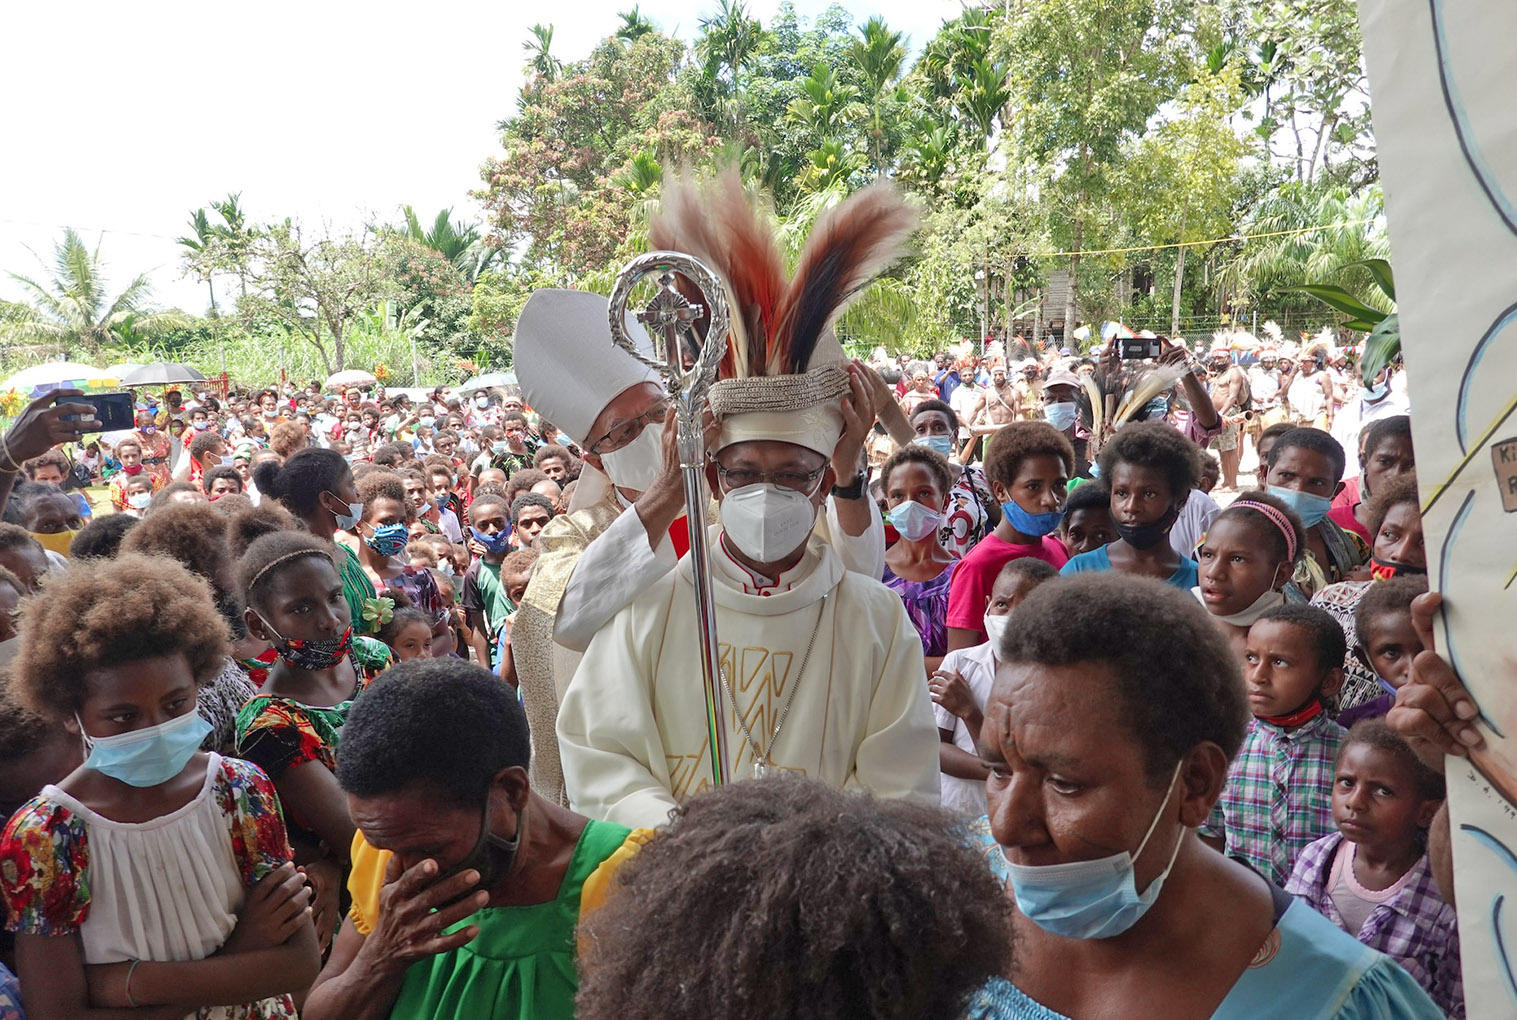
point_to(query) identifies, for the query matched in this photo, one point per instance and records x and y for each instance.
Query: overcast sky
(123, 117)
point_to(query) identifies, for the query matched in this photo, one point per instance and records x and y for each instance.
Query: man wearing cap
(595, 559)
(821, 666)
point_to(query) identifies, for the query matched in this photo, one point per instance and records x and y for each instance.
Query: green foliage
(72, 308)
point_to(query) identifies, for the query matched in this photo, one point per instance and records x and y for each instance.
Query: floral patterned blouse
(965, 520)
(48, 886)
(926, 604)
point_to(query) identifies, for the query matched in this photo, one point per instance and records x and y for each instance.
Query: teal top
(1185, 577)
(1307, 968)
(521, 964)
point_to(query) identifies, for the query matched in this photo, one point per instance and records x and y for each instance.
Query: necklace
(761, 764)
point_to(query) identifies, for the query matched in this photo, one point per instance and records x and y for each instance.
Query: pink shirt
(976, 575)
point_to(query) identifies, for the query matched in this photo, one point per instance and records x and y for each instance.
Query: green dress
(356, 586)
(521, 965)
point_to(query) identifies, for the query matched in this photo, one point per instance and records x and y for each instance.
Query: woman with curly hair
(195, 535)
(155, 877)
(915, 481)
(784, 898)
(382, 534)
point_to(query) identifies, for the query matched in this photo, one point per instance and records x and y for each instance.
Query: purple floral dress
(926, 603)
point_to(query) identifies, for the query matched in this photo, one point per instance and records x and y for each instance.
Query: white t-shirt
(1195, 517)
(978, 668)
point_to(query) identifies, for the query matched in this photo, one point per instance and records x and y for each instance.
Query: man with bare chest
(1002, 404)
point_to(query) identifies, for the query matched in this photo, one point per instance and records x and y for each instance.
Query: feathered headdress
(779, 321)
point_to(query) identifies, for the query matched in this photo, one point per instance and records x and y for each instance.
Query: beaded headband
(1276, 518)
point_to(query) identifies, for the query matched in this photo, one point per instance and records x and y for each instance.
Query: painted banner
(1443, 81)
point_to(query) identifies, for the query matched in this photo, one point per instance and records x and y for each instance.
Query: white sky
(123, 117)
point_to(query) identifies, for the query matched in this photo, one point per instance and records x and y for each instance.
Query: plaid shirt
(1416, 928)
(1279, 795)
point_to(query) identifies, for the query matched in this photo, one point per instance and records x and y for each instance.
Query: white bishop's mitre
(566, 363)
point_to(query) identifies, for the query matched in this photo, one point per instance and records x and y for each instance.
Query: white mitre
(566, 364)
(802, 409)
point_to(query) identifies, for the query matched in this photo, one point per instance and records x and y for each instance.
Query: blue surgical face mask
(146, 757)
(499, 446)
(1031, 524)
(913, 520)
(1095, 899)
(1310, 508)
(349, 520)
(1378, 392)
(427, 422)
(939, 444)
(389, 539)
(1061, 414)
(497, 543)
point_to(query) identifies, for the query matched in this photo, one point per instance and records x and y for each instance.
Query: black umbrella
(161, 373)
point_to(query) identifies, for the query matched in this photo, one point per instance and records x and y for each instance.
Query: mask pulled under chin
(1247, 617)
(767, 522)
(636, 465)
(1146, 536)
(1095, 899)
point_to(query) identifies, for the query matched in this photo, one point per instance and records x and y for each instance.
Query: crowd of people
(349, 705)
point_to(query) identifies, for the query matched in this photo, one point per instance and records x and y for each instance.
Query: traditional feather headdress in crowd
(784, 371)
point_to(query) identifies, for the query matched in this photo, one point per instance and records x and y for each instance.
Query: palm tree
(982, 95)
(236, 235)
(199, 247)
(827, 105)
(634, 26)
(73, 308)
(460, 243)
(879, 55)
(540, 60)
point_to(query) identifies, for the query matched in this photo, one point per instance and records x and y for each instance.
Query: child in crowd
(1278, 797)
(448, 633)
(1372, 878)
(408, 634)
(1211, 472)
(23, 555)
(136, 493)
(1150, 469)
(515, 575)
(1028, 465)
(483, 594)
(1387, 642)
(1246, 561)
(1086, 524)
(155, 876)
(961, 685)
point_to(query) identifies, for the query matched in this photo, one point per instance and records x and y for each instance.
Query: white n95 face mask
(767, 522)
(995, 630)
(636, 465)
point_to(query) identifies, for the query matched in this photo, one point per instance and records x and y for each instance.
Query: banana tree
(1384, 327)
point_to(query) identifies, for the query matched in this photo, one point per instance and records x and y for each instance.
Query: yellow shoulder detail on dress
(598, 886)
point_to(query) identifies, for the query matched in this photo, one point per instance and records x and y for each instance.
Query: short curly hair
(97, 614)
(1153, 444)
(1393, 595)
(1014, 443)
(914, 453)
(220, 471)
(1328, 642)
(270, 554)
(867, 908)
(1377, 733)
(101, 537)
(248, 525)
(1315, 440)
(444, 725)
(1396, 492)
(194, 534)
(942, 408)
(1090, 495)
(1176, 679)
(383, 484)
(286, 436)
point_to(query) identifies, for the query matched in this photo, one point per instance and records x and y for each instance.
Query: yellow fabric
(367, 878)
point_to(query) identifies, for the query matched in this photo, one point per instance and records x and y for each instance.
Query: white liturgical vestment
(632, 727)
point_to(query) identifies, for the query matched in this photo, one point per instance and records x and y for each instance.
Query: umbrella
(352, 377)
(119, 369)
(57, 375)
(488, 381)
(161, 373)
